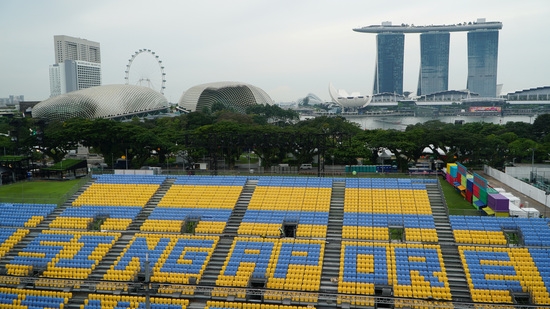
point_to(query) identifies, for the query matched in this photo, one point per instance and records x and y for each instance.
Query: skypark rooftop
(405, 28)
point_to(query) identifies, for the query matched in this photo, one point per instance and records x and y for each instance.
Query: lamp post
(533, 165)
(147, 282)
(332, 158)
(546, 193)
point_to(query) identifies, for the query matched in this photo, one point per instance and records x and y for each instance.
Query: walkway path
(524, 198)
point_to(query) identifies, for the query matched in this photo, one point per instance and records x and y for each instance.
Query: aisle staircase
(232, 226)
(451, 258)
(221, 252)
(151, 204)
(331, 261)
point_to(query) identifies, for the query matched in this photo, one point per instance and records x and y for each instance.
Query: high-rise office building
(388, 76)
(69, 48)
(57, 80)
(77, 65)
(434, 63)
(434, 56)
(482, 62)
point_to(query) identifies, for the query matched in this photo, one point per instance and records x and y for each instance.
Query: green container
(491, 191)
(483, 195)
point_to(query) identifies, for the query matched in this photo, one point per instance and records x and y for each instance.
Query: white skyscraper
(57, 80)
(77, 65)
(69, 48)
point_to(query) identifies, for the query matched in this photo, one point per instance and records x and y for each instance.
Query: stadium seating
(62, 254)
(111, 194)
(494, 272)
(118, 198)
(276, 200)
(172, 258)
(117, 217)
(22, 298)
(23, 215)
(105, 301)
(289, 264)
(241, 305)
(413, 270)
(9, 237)
(129, 179)
(489, 230)
(66, 257)
(209, 200)
(371, 206)
(237, 181)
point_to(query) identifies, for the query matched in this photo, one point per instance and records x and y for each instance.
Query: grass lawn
(39, 191)
(455, 202)
(243, 159)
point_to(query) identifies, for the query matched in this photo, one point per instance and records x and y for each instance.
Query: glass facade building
(388, 76)
(434, 63)
(482, 62)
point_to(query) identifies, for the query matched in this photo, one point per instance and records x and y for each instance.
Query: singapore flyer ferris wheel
(146, 69)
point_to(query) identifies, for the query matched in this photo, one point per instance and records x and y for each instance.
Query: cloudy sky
(289, 48)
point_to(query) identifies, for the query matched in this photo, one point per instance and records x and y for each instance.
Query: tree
(266, 143)
(521, 129)
(224, 140)
(495, 150)
(58, 140)
(229, 116)
(541, 126)
(508, 137)
(431, 134)
(324, 136)
(6, 145)
(217, 106)
(306, 144)
(358, 149)
(103, 135)
(396, 142)
(263, 114)
(522, 148)
(196, 120)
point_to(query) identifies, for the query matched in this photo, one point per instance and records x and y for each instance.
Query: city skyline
(287, 48)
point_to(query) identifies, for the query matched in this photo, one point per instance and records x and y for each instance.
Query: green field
(39, 191)
(456, 204)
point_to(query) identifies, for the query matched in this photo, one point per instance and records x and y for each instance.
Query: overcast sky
(289, 48)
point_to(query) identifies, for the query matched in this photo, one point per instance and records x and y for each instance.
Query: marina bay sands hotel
(434, 54)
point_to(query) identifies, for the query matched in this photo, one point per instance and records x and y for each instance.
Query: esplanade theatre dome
(108, 101)
(233, 95)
